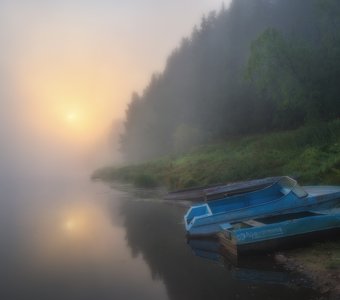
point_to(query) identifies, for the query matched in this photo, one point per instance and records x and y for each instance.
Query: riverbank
(320, 263)
(310, 154)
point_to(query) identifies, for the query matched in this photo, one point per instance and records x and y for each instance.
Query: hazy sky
(68, 67)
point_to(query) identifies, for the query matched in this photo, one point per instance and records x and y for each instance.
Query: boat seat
(253, 223)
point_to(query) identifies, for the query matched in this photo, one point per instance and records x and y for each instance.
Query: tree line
(258, 66)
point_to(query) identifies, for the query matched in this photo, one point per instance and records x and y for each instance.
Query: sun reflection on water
(82, 222)
(74, 232)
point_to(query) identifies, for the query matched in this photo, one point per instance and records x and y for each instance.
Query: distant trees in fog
(257, 66)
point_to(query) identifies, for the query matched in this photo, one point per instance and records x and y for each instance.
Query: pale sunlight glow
(77, 223)
(69, 68)
(70, 225)
(72, 117)
(80, 222)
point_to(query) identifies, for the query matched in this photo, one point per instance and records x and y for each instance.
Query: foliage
(291, 71)
(310, 153)
(186, 136)
(256, 67)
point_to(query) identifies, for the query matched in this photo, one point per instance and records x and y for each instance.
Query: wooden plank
(253, 223)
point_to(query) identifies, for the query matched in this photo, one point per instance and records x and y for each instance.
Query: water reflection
(88, 242)
(65, 246)
(155, 231)
(256, 269)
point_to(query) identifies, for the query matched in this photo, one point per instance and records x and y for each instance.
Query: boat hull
(282, 235)
(205, 219)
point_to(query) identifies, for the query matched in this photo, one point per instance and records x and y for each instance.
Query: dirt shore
(319, 263)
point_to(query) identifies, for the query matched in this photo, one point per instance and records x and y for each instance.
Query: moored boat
(219, 191)
(237, 188)
(195, 194)
(284, 196)
(281, 231)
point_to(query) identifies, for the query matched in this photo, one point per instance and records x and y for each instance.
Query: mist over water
(78, 240)
(67, 70)
(64, 237)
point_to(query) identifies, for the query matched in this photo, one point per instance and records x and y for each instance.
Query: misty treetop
(257, 66)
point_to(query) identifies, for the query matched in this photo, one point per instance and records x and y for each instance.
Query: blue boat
(281, 231)
(218, 191)
(236, 188)
(282, 197)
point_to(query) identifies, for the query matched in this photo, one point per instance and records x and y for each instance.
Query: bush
(145, 180)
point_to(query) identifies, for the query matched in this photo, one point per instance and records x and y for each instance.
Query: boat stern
(195, 212)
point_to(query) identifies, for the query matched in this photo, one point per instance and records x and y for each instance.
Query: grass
(311, 154)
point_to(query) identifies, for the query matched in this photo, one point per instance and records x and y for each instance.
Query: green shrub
(145, 180)
(311, 153)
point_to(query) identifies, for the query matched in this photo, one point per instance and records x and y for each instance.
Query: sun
(72, 117)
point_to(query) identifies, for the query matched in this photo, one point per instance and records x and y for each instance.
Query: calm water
(86, 241)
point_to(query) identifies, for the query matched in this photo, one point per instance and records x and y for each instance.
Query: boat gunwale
(328, 227)
(189, 225)
(212, 233)
(197, 218)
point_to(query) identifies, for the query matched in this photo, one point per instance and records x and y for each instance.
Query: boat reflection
(154, 231)
(251, 269)
(208, 248)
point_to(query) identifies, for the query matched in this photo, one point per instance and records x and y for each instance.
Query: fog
(81, 80)
(67, 70)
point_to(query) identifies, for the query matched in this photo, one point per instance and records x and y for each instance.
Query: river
(84, 240)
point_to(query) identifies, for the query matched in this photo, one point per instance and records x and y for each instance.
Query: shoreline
(311, 154)
(318, 263)
(299, 153)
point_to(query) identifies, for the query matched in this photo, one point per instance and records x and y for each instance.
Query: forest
(255, 67)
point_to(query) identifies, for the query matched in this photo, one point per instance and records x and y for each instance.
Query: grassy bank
(311, 153)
